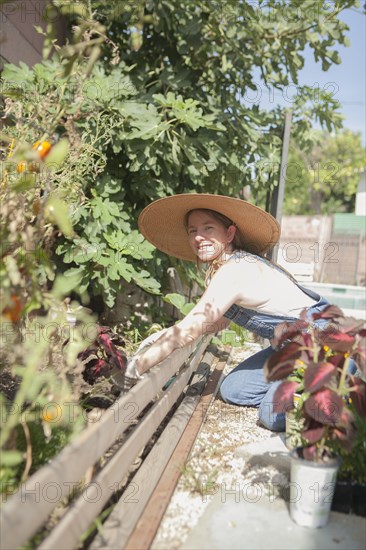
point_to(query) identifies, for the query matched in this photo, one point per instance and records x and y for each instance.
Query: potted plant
(318, 364)
(350, 489)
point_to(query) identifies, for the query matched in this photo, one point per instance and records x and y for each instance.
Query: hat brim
(162, 222)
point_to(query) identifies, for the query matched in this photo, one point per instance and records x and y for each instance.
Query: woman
(231, 236)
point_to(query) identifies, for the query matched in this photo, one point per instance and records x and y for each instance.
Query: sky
(347, 81)
(349, 77)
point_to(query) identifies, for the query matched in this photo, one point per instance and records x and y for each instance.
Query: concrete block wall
(310, 240)
(305, 240)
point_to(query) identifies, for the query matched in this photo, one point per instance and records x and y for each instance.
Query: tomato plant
(13, 310)
(42, 148)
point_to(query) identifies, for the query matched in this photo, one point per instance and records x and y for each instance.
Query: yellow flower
(52, 412)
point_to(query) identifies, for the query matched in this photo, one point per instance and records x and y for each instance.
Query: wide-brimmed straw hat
(162, 222)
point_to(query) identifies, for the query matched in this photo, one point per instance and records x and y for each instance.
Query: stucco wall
(19, 40)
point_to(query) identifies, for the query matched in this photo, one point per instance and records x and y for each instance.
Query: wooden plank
(120, 524)
(90, 503)
(31, 506)
(148, 524)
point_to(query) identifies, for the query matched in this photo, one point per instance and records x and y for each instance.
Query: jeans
(246, 385)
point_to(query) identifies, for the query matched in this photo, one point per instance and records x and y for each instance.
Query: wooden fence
(138, 415)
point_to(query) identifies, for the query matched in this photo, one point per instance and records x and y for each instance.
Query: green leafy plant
(152, 100)
(234, 336)
(199, 483)
(141, 102)
(39, 399)
(179, 301)
(353, 465)
(39, 384)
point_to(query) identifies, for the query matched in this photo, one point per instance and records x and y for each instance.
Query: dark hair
(238, 240)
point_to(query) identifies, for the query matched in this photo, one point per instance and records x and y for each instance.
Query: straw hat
(162, 222)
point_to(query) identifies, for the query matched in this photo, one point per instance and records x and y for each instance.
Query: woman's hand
(205, 317)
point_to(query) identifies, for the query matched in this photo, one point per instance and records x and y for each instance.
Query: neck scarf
(215, 265)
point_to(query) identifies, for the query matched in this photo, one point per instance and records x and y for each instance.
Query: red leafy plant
(104, 356)
(315, 363)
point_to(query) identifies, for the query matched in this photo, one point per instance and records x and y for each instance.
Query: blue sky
(347, 81)
(349, 77)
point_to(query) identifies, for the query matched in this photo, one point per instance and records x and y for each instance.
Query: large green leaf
(57, 211)
(11, 458)
(176, 300)
(177, 111)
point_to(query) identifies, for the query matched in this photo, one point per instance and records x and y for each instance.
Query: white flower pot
(311, 490)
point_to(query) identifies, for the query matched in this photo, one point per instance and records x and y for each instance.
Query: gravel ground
(213, 465)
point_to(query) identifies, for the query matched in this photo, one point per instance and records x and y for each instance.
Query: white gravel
(213, 464)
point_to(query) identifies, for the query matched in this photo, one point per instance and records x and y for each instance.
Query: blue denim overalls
(246, 385)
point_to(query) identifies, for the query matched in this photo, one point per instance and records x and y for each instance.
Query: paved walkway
(246, 519)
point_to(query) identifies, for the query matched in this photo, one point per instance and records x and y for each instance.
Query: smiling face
(208, 237)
